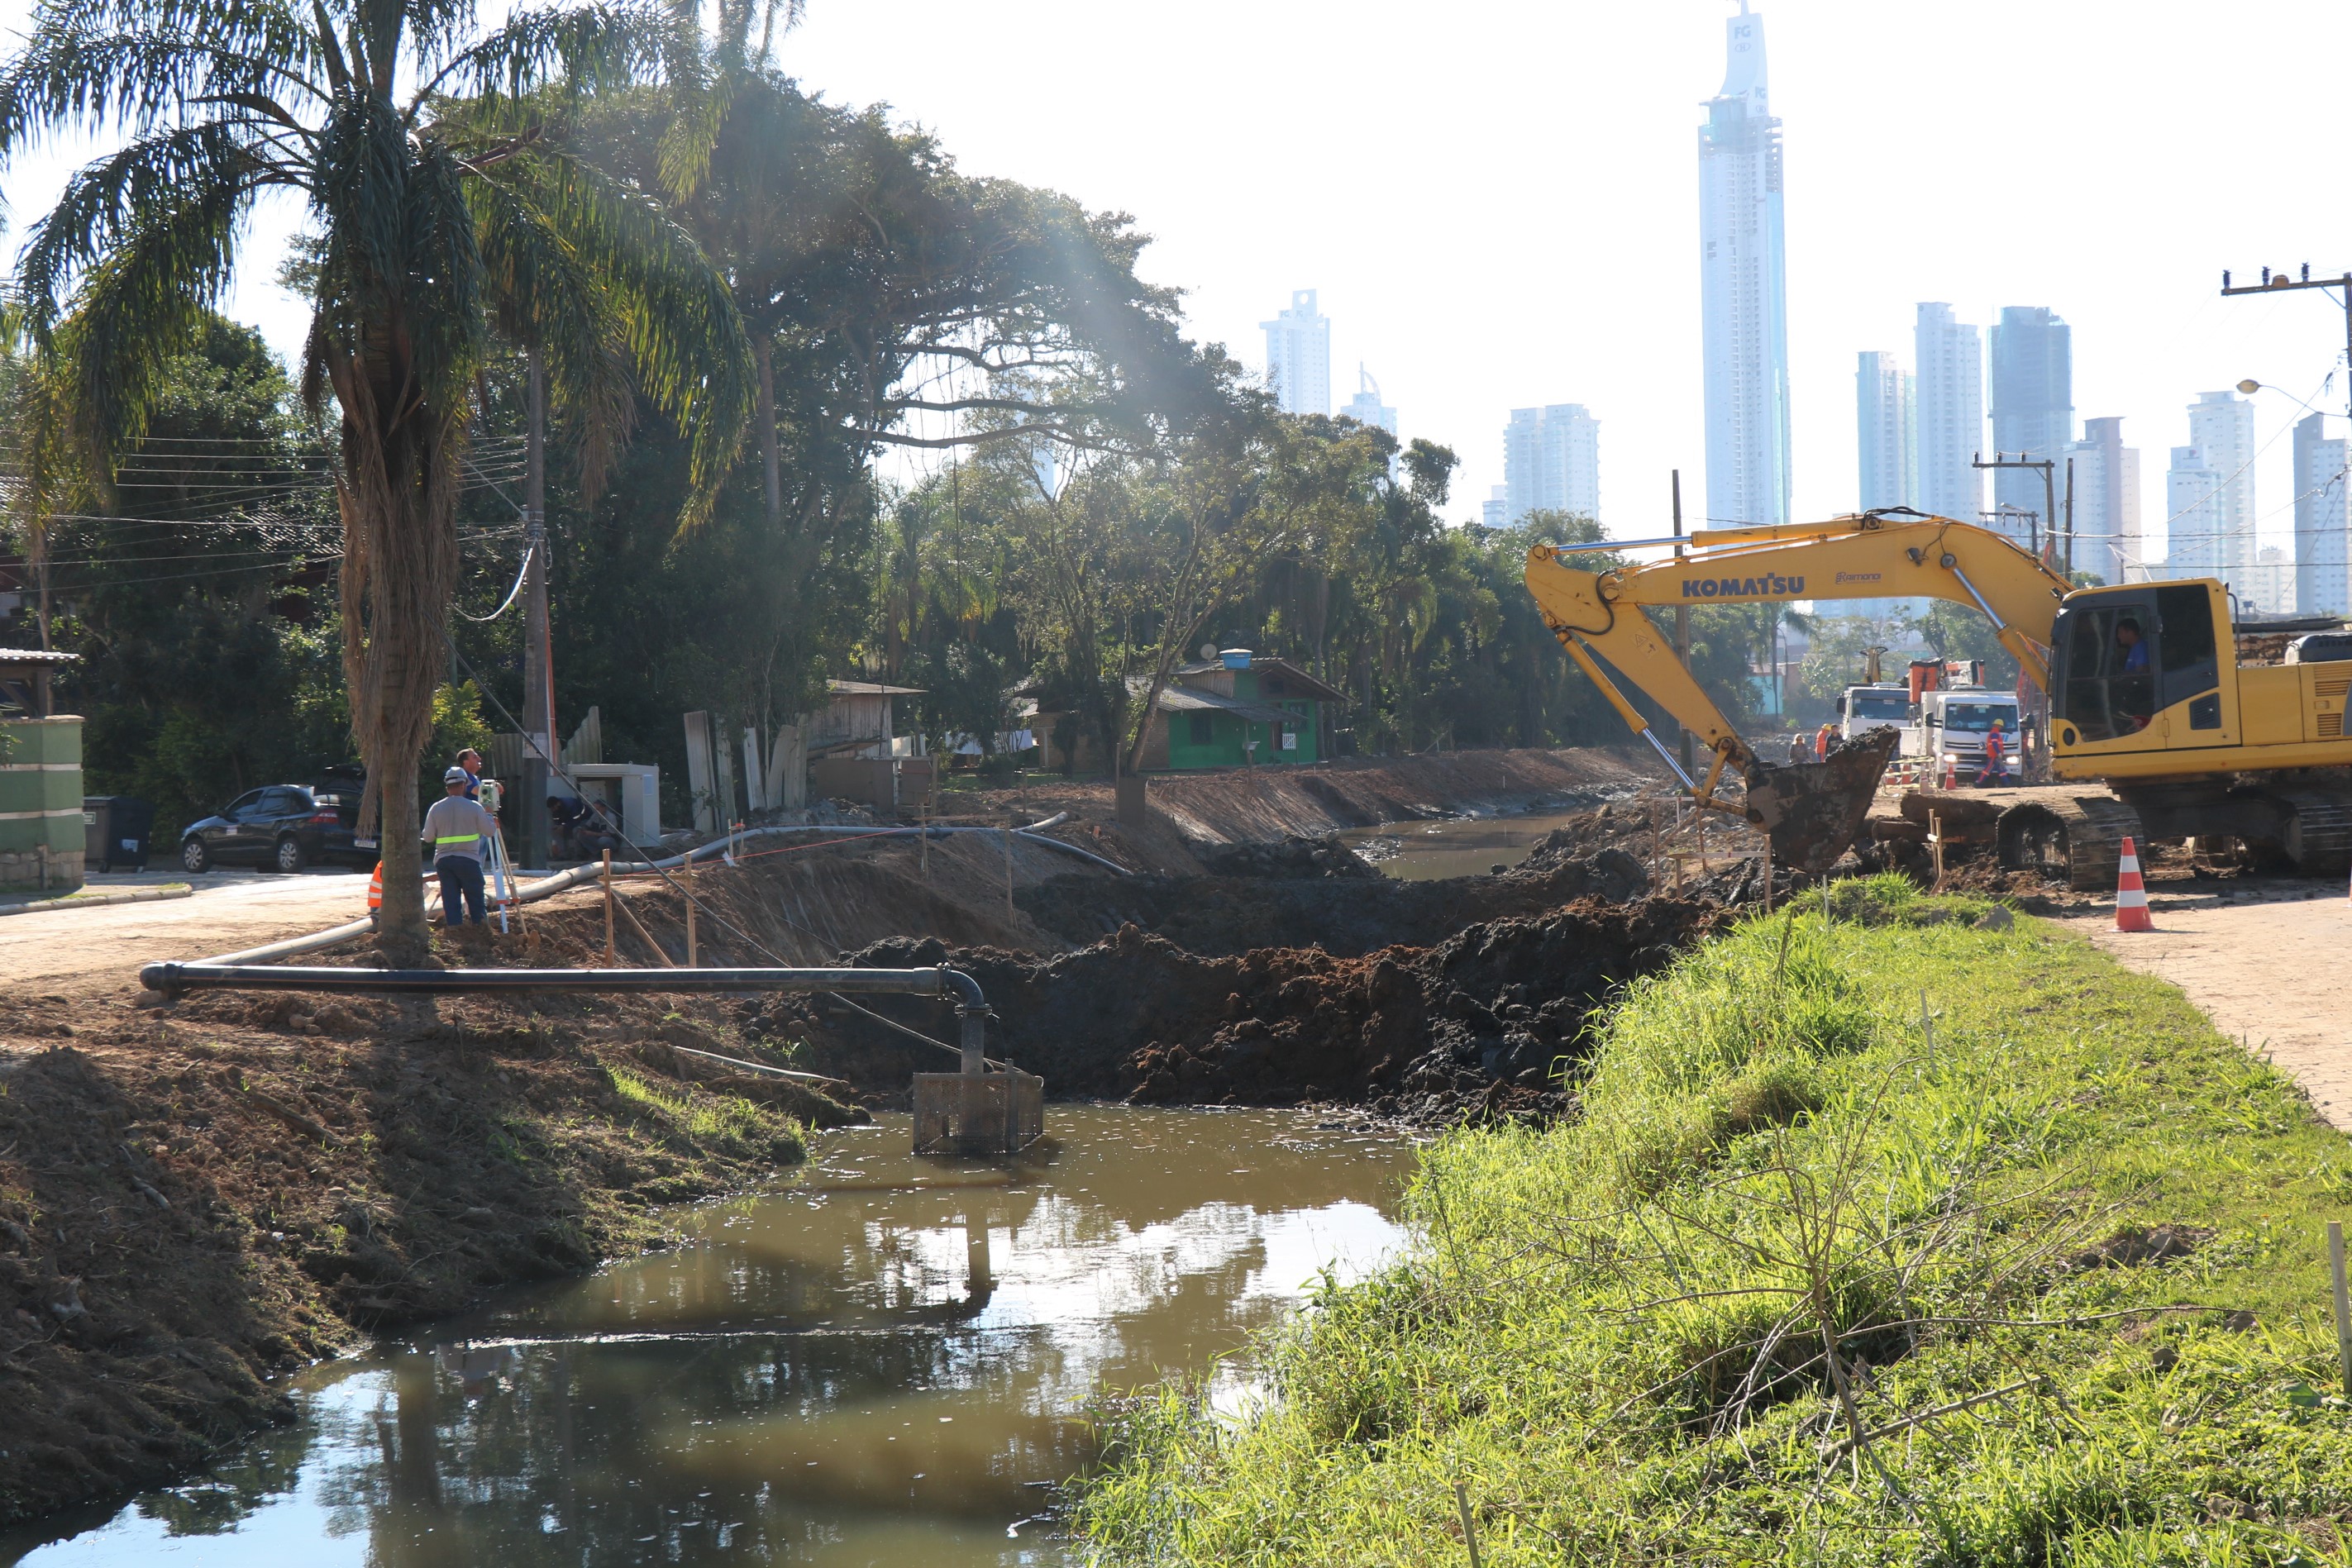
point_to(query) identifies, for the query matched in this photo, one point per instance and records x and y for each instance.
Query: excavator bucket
(1811, 812)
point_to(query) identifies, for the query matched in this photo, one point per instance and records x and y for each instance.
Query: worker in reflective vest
(457, 834)
(1995, 759)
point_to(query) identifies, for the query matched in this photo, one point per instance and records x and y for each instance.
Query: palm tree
(439, 195)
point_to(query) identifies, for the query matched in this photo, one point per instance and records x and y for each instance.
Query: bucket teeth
(1812, 811)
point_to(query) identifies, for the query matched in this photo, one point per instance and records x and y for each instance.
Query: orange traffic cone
(1951, 774)
(2131, 894)
(375, 889)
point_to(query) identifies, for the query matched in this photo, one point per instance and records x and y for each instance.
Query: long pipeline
(589, 872)
(945, 984)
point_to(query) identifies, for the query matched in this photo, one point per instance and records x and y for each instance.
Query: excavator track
(2320, 835)
(2083, 832)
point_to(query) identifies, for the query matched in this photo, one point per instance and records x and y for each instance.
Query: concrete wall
(41, 837)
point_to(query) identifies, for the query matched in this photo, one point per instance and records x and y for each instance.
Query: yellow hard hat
(1996, 724)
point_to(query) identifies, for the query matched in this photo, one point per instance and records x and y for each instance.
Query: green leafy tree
(438, 190)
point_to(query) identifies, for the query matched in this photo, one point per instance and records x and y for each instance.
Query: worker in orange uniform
(1823, 742)
(1994, 769)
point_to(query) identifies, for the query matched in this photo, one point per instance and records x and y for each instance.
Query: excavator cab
(2137, 671)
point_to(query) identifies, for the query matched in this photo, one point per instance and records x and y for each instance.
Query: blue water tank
(1235, 658)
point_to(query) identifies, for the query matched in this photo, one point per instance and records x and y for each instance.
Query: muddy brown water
(1454, 846)
(888, 1362)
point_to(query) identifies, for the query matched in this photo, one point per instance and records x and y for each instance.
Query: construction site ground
(195, 1196)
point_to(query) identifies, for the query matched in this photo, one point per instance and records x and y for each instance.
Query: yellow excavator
(2153, 692)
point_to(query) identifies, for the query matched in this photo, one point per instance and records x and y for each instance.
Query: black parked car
(283, 827)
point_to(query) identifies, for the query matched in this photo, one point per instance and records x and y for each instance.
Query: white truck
(1879, 706)
(1950, 727)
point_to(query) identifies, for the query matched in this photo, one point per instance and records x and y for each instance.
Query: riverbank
(1797, 1285)
(194, 1199)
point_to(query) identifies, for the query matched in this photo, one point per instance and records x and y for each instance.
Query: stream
(888, 1362)
(1453, 846)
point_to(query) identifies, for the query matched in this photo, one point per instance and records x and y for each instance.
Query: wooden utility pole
(537, 673)
(612, 953)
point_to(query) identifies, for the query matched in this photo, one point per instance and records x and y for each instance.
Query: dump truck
(2168, 728)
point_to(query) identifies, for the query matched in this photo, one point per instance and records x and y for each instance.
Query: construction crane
(2150, 693)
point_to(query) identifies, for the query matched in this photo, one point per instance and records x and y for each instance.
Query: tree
(437, 189)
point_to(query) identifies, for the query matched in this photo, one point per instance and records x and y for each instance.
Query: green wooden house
(1237, 710)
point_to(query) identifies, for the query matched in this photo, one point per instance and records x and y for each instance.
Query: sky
(1498, 203)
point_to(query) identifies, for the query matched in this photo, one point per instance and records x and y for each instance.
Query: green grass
(1618, 1334)
(727, 1121)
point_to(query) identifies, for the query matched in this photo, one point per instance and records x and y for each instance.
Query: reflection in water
(887, 1364)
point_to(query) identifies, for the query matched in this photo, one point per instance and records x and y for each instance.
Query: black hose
(173, 979)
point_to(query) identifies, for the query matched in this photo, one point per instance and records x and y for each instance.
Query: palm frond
(686, 342)
(575, 49)
(105, 204)
(67, 80)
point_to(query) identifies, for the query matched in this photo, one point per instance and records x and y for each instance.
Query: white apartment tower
(2323, 521)
(1365, 408)
(1495, 511)
(1551, 461)
(1951, 418)
(2106, 477)
(1299, 355)
(1885, 427)
(1743, 302)
(2212, 535)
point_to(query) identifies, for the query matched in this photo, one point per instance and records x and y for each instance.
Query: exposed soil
(196, 1197)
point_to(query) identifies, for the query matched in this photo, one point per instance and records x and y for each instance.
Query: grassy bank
(1797, 1287)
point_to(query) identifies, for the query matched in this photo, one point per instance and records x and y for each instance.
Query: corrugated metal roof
(870, 689)
(34, 656)
(1190, 699)
(1262, 663)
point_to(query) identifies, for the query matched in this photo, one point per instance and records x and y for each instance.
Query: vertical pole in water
(693, 953)
(612, 954)
(2343, 1301)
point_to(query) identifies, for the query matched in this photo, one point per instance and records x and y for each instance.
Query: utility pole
(538, 670)
(2049, 498)
(2272, 285)
(1682, 625)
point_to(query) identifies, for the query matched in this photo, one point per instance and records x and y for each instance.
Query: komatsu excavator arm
(1872, 555)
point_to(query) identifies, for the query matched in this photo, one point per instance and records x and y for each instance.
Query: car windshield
(1979, 715)
(1881, 705)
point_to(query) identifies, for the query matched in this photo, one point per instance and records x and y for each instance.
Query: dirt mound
(1343, 913)
(1473, 1026)
(1320, 855)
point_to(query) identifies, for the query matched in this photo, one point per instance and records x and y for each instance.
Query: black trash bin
(115, 830)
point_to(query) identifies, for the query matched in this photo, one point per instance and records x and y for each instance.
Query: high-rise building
(2033, 405)
(2193, 509)
(1742, 288)
(1495, 511)
(1551, 460)
(1365, 408)
(1885, 427)
(2266, 585)
(1299, 355)
(2107, 500)
(2222, 430)
(1950, 379)
(2323, 521)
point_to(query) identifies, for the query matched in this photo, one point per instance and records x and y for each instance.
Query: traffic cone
(2131, 894)
(1951, 774)
(375, 889)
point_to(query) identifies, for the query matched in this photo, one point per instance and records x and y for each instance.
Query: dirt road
(2264, 966)
(64, 950)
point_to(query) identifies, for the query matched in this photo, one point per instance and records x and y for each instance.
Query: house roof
(34, 658)
(1308, 687)
(1191, 699)
(871, 689)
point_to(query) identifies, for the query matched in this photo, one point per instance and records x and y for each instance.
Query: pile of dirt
(195, 1198)
(1300, 855)
(1473, 1027)
(1344, 914)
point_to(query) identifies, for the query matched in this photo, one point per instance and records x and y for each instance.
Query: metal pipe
(950, 985)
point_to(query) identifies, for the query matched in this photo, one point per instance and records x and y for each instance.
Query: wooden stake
(612, 953)
(2343, 1301)
(693, 953)
(923, 815)
(1927, 1030)
(1008, 865)
(1935, 844)
(1469, 1525)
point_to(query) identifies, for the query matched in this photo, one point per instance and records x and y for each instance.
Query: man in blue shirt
(2134, 647)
